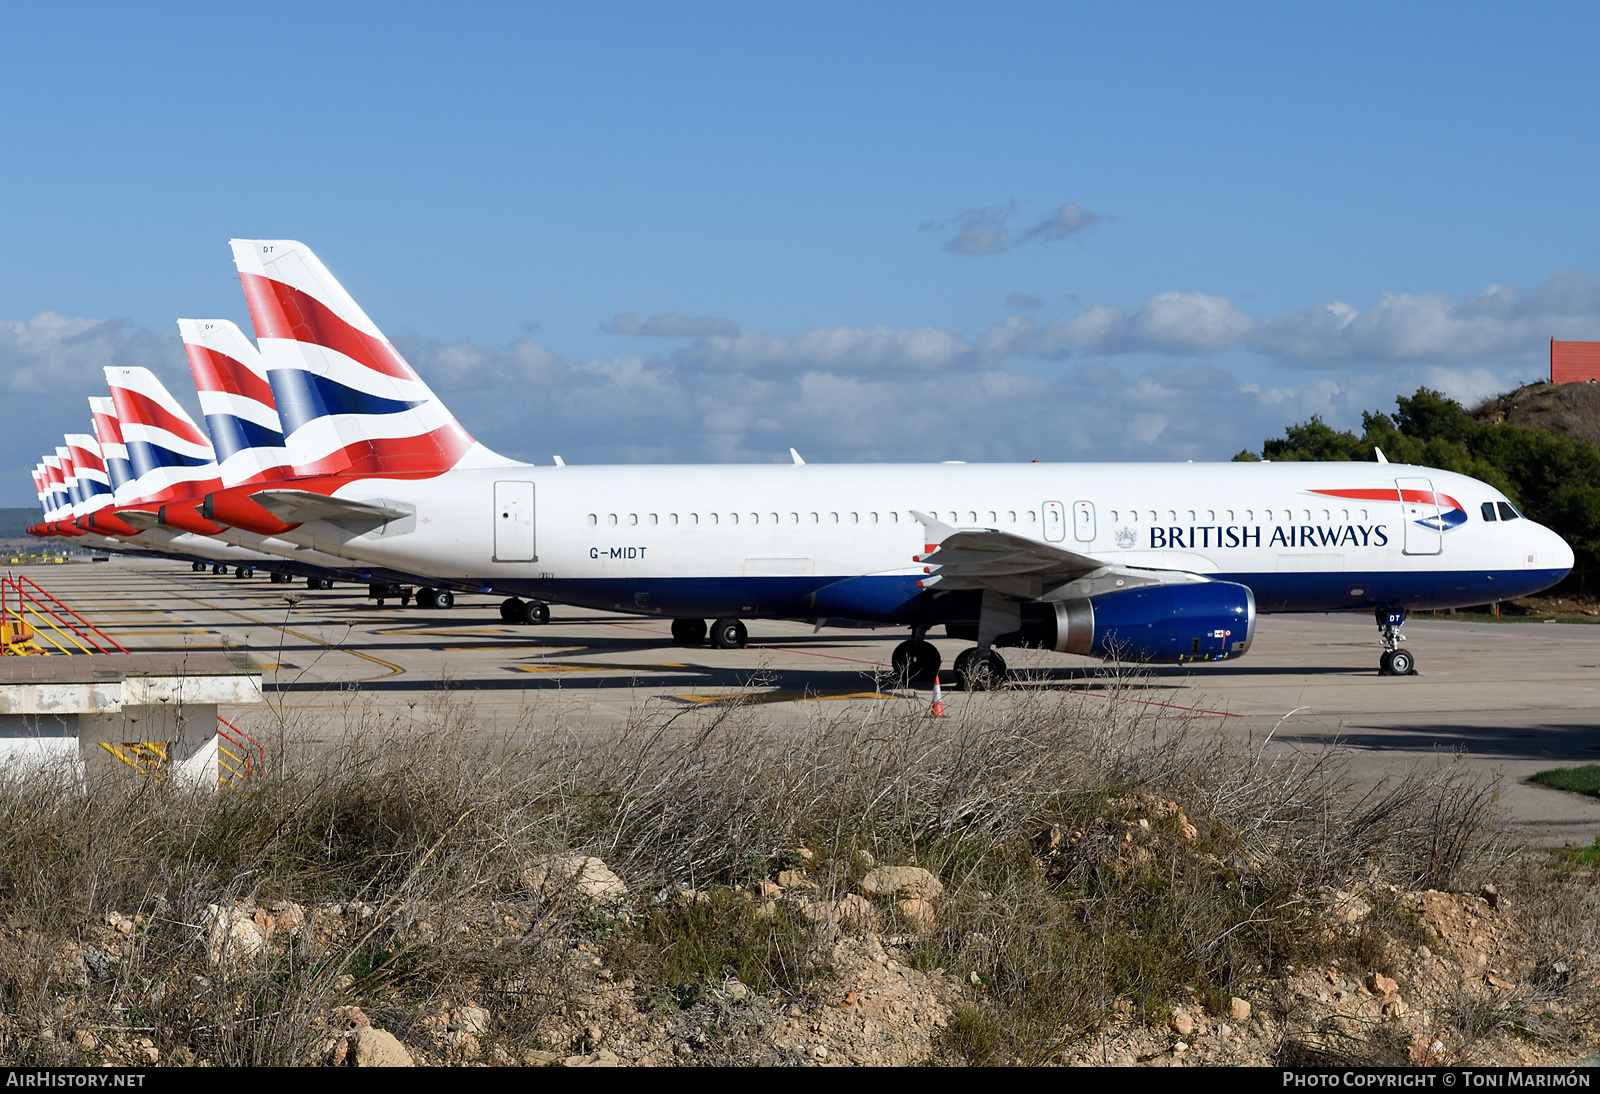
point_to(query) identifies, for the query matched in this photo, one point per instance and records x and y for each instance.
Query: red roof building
(1574, 362)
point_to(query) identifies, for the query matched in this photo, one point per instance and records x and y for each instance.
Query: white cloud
(671, 325)
(49, 366)
(1180, 324)
(842, 349)
(988, 231)
(1498, 325)
(1067, 220)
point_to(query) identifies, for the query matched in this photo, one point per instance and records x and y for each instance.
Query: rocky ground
(866, 1003)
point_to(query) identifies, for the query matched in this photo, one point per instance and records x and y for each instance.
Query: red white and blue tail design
(348, 402)
(94, 486)
(236, 399)
(60, 500)
(170, 457)
(69, 474)
(41, 484)
(108, 431)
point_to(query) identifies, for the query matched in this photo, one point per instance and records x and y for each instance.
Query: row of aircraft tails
(326, 456)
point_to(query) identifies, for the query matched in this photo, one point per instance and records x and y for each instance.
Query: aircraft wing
(1025, 569)
(300, 506)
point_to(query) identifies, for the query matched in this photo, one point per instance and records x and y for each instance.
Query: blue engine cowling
(1206, 621)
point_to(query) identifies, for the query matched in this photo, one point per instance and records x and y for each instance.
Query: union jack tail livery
(94, 487)
(170, 457)
(60, 500)
(108, 431)
(236, 398)
(348, 402)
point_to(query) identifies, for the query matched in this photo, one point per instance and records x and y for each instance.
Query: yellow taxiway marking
(394, 670)
(162, 632)
(566, 667)
(447, 631)
(781, 697)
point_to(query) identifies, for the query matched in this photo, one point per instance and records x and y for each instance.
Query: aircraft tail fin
(94, 486)
(108, 431)
(236, 399)
(169, 456)
(348, 402)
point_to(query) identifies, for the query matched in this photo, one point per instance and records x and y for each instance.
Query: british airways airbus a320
(1142, 562)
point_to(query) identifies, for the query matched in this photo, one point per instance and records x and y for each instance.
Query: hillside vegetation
(1537, 444)
(1043, 877)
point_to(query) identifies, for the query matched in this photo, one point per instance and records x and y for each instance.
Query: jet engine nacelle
(1208, 621)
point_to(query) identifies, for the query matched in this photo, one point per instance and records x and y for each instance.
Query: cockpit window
(1508, 513)
(1488, 510)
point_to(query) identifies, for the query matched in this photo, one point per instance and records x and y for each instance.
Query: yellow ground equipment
(30, 618)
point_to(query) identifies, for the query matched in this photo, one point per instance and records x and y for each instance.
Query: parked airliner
(1152, 562)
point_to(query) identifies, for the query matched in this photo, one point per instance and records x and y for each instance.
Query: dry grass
(434, 827)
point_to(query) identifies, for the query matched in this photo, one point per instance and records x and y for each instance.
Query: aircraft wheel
(327, 583)
(426, 598)
(219, 569)
(313, 583)
(198, 567)
(915, 661)
(244, 571)
(511, 609)
(1397, 663)
(980, 670)
(444, 598)
(535, 613)
(689, 632)
(729, 634)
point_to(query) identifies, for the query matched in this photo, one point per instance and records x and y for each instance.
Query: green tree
(1551, 478)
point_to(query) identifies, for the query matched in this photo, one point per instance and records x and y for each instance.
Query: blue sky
(872, 232)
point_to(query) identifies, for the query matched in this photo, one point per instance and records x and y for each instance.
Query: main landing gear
(532, 612)
(725, 634)
(916, 660)
(1395, 661)
(980, 669)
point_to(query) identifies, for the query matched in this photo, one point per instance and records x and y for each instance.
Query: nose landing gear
(1395, 661)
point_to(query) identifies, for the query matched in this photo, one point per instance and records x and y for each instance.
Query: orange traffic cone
(938, 699)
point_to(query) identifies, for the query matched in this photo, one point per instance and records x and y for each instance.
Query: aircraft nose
(1559, 552)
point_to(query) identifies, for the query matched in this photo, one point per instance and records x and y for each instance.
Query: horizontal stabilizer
(300, 506)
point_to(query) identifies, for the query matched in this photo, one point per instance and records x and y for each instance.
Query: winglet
(1381, 457)
(798, 462)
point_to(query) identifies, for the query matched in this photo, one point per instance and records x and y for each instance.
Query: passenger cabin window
(633, 518)
(972, 518)
(993, 519)
(813, 518)
(794, 518)
(1113, 515)
(1488, 511)
(854, 518)
(872, 518)
(591, 520)
(653, 518)
(713, 518)
(1011, 515)
(672, 518)
(833, 518)
(1508, 513)
(1191, 516)
(611, 518)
